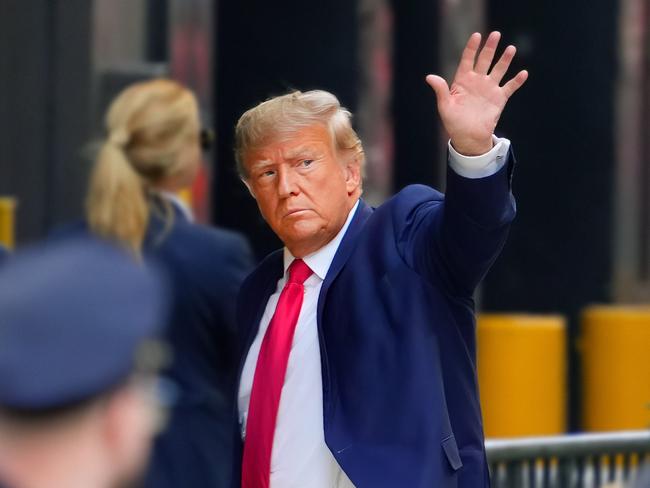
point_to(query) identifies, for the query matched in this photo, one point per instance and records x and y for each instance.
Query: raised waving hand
(472, 106)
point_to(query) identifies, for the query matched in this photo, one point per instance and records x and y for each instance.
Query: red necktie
(269, 379)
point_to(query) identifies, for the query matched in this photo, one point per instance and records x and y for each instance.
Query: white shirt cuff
(480, 166)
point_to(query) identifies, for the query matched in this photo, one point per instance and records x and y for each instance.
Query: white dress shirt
(300, 458)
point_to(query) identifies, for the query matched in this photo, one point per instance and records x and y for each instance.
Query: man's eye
(267, 173)
(306, 162)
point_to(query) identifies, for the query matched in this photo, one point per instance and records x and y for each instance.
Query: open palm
(471, 108)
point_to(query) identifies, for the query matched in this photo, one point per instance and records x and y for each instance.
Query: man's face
(303, 188)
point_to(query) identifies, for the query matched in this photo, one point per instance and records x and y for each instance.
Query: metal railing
(617, 459)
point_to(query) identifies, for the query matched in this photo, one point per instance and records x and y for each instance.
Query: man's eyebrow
(261, 164)
(307, 150)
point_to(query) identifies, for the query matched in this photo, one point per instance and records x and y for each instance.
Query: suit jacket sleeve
(453, 240)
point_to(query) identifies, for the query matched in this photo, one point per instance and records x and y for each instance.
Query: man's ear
(116, 421)
(250, 189)
(129, 426)
(353, 174)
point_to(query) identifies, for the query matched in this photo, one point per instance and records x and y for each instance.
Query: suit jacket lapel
(343, 253)
(258, 298)
(340, 258)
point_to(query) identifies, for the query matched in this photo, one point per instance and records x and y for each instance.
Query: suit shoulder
(416, 194)
(411, 198)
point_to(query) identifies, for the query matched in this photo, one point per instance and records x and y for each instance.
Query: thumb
(441, 88)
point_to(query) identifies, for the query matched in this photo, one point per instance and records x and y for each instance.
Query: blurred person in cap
(76, 408)
(358, 338)
(151, 151)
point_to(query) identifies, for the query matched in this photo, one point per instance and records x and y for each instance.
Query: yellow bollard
(522, 374)
(615, 347)
(7, 219)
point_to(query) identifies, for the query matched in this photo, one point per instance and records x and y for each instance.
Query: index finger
(469, 53)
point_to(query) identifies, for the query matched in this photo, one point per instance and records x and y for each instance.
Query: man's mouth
(296, 212)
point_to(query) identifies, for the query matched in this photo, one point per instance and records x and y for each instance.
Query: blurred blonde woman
(152, 149)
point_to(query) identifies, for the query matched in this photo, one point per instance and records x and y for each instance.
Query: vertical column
(373, 118)
(24, 141)
(191, 39)
(45, 61)
(69, 102)
(631, 266)
(415, 53)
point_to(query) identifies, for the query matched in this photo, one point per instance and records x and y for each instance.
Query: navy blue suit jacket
(4, 254)
(206, 267)
(397, 333)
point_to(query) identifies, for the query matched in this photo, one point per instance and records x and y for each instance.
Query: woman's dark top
(205, 267)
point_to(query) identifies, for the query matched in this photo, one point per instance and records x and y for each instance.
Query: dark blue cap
(73, 316)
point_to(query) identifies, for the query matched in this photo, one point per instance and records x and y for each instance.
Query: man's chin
(300, 229)
(307, 238)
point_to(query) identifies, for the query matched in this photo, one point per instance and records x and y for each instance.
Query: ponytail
(148, 125)
(116, 205)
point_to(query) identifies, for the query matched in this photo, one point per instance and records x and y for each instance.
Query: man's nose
(287, 183)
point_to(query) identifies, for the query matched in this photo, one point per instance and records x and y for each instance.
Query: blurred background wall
(45, 66)
(579, 127)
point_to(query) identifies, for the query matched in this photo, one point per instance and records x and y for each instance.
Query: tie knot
(299, 271)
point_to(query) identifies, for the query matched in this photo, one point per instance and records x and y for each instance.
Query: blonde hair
(148, 124)
(285, 114)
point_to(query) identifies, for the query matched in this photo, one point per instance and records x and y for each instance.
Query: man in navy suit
(358, 360)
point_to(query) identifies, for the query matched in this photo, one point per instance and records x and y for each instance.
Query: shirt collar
(182, 207)
(320, 261)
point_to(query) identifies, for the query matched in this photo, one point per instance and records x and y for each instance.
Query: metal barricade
(614, 459)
